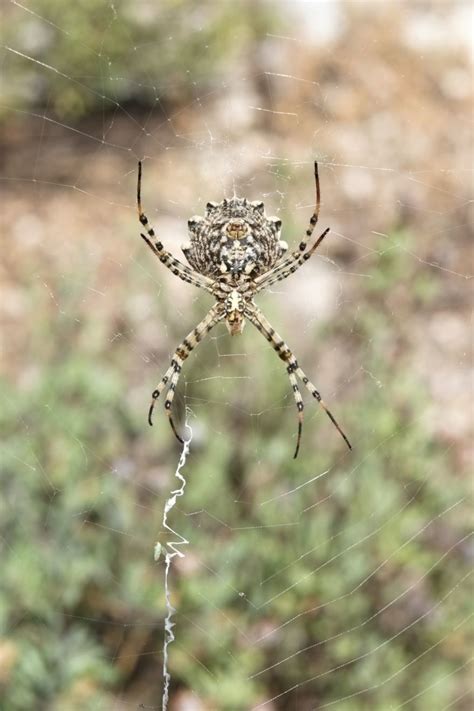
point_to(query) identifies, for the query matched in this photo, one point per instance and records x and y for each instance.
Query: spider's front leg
(165, 257)
(288, 266)
(171, 377)
(291, 263)
(256, 317)
(315, 216)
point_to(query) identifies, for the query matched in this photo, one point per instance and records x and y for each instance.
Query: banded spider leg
(280, 272)
(256, 317)
(171, 377)
(295, 256)
(174, 265)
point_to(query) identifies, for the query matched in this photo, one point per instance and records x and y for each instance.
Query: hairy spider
(235, 251)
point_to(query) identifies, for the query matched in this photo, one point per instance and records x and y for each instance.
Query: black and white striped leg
(291, 369)
(279, 345)
(288, 266)
(293, 261)
(315, 393)
(171, 377)
(173, 264)
(315, 216)
(256, 317)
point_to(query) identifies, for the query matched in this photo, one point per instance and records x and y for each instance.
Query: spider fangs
(234, 252)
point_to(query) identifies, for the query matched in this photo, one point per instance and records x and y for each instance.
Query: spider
(234, 252)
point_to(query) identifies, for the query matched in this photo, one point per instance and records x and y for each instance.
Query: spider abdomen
(239, 256)
(236, 238)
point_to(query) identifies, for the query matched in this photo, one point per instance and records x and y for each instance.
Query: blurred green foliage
(350, 592)
(99, 56)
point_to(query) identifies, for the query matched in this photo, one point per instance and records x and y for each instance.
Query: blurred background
(339, 579)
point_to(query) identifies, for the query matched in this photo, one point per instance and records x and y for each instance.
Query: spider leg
(173, 264)
(285, 354)
(289, 266)
(293, 259)
(256, 317)
(171, 377)
(315, 216)
(178, 269)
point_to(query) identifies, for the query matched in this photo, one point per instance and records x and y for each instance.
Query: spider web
(336, 580)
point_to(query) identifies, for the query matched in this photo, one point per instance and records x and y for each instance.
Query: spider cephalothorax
(235, 251)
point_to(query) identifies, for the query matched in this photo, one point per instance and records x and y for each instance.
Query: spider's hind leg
(256, 317)
(170, 380)
(158, 390)
(171, 377)
(298, 399)
(315, 393)
(176, 363)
